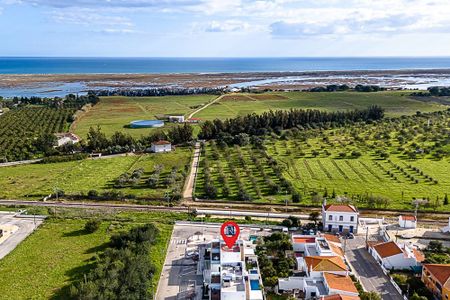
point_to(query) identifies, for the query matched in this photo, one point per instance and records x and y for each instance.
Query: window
(352, 219)
(313, 294)
(341, 218)
(330, 218)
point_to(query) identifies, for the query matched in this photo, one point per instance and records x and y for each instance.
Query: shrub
(92, 226)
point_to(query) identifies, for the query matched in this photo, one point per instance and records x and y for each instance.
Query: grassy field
(387, 164)
(394, 102)
(59, 252)
(113, 113)
(236, 166)
(38, 180)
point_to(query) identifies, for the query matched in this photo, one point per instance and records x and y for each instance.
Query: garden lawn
(114, 113)
(395, 103)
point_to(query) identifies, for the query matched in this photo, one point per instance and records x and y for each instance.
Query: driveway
(368, 270)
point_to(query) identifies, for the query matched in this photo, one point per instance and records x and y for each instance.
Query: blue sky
(225, 28)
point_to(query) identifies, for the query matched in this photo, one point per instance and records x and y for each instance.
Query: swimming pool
(146, 124)
(254, 285)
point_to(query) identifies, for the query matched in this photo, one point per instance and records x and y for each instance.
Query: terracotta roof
(387, 249)
(340, 297)
(440, 272)
(162, 142)
(325, 263)
(340, 208)
(408, 218)
(420, 257)
(340, 282)
(331, 238)
(336, 250)
(303, 240)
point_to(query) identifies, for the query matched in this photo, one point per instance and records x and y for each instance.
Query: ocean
(67, 65)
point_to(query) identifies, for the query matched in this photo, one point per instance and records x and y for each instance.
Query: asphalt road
(25, 226)
(368, 270)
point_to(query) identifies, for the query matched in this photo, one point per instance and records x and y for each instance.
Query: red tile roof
(162, 142)
(303, 240)
(340, 282)
(331, 238)
(340, 208)
(387, 249)
(440, 272)
(408, 218)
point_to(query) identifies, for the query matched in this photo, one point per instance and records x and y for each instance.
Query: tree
(446, 199)
(314, 217)
(45, 142)
(286, 223)
(369, 296)
(96, 139)
(415, 296)
(92, 226)
(181, 134)
(295, 221)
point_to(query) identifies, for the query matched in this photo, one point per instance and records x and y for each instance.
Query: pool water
(254, 285)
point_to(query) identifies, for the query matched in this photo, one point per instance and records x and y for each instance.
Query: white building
(391, 255)
(325, 284)
(66, 138)
(231, 274)
(340, 218)
(161, 146)
(176, 119)
(407, 221)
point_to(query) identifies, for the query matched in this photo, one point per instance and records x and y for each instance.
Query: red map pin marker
(230, 233)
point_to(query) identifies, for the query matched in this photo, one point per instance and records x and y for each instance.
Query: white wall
(161, 148)
(291, 283)
(335, 220)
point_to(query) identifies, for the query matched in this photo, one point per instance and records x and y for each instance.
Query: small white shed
(161, 146)
(407, 221)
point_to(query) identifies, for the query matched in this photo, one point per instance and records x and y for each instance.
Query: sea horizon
(177, 65)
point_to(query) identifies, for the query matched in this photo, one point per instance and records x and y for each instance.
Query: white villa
(340, 218)
(66, 138)
(176, 119)
(391, 255)
(321, 260)
(231, 274)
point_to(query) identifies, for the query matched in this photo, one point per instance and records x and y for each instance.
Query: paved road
(20, 162)
(367, 269)
(189, 187)
(25, 226)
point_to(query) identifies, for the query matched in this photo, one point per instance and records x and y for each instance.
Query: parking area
(180, 276)
(15, 228)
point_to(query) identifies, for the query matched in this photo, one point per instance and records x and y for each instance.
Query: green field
(38, 180)
(395, 103)
(60, 252)
(113, 113)
(387, 164)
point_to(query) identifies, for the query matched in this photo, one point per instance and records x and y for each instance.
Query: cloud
(226, 26)
(112, 3)
(88, 18)
(393, 24)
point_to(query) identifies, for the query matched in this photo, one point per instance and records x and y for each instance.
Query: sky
(224, 28)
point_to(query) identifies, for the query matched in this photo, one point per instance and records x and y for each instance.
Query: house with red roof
(436, 278)
(342, 218)
(161, 146)
(407, 221)
(392, 255)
